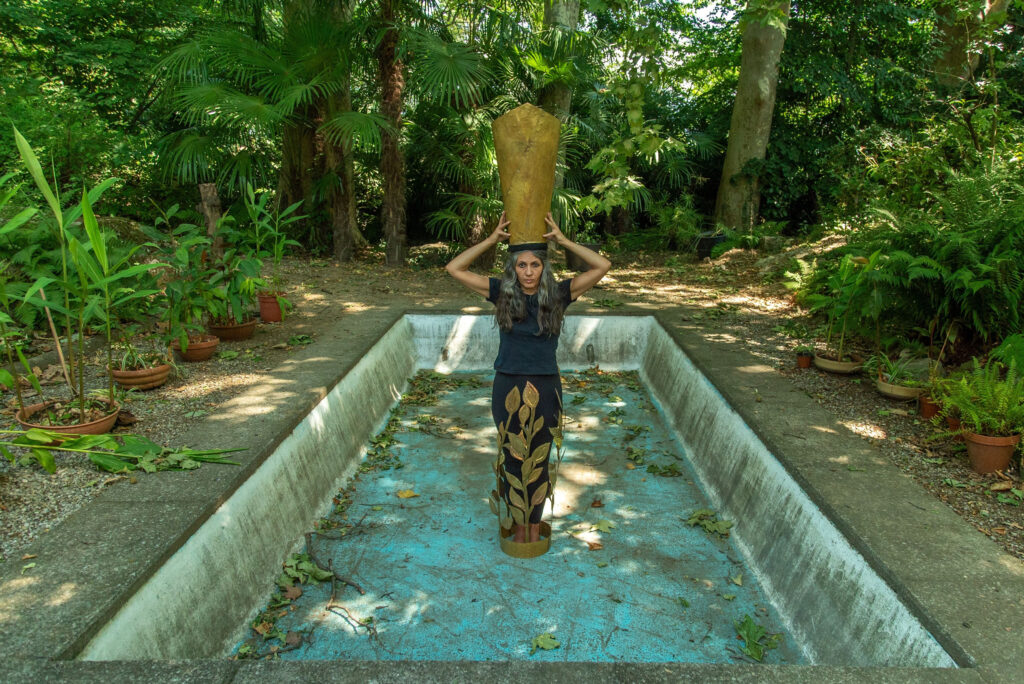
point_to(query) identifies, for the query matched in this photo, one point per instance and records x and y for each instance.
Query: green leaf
(544, 641)
(136, 445)
(92, 229)
(603, 526)
(28, 371)
(36, 171)
(39, 436)
(109, 462)
(45, 458)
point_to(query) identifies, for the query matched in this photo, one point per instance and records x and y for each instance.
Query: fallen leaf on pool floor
(597, 503)
(293, 592)
(595, 546)
(406, 494)
(545, 641)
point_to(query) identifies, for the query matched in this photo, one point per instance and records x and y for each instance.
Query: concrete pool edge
(907, 539)
(734, 387)
(23, 671)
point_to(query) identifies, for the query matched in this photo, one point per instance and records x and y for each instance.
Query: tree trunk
(958, 57)
(298, 161)
(341, 202)
(556, 98)
(739, 194)
(392, 162)
(209, 207)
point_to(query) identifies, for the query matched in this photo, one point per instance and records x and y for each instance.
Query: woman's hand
(556, 233)
(500, 234)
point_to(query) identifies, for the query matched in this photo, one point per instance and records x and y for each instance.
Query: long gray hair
(511, 305)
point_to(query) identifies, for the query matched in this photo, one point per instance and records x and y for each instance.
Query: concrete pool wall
(842, 612)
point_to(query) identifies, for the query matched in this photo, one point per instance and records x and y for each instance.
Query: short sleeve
(493, 290)
(565, 291)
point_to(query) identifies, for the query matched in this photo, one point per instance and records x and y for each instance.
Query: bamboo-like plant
(92, 282)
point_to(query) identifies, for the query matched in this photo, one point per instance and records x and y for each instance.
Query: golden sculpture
(526, 142)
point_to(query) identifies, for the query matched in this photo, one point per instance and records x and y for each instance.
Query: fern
(989, 398)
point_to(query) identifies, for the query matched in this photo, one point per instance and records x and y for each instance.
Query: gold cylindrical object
(526, 142)
(526, 549)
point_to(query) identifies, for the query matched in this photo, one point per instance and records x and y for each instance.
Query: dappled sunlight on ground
(864, 429)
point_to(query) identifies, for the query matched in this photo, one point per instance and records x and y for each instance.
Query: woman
(529, 307)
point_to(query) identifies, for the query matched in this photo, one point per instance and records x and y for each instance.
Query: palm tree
(284, 94)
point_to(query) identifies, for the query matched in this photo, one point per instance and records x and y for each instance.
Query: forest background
(897, 124)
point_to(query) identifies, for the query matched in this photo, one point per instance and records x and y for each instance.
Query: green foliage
(114, 454)
(1010, 351)
(300, 568)
(989, 399)
(708, 520)
(960, 259)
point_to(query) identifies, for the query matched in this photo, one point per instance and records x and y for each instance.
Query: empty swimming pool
(797, 573)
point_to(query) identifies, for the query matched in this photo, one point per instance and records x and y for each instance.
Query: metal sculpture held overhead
(526, 143)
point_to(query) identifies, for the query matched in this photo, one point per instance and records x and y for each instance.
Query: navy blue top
(522, 351)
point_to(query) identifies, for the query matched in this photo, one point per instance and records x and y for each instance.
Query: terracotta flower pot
(230, 332)
(989, 454)
(901, 392)
(142, 379)
(96, 427)
(839, 367)
(804, 360)
(953, 423)
(200, 348)
(270, 309)
(928, 408)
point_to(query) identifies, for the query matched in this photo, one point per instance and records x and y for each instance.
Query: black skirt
(549, 387)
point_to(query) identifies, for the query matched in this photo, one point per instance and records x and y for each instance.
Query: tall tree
(391, 77)
(764, 34)
(561, 19)
(964, 26)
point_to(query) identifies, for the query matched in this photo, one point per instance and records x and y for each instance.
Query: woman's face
(528, 270)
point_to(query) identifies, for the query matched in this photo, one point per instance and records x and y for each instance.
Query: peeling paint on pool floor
(437, 586)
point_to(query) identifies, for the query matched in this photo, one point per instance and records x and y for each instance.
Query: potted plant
(269, 242)
(804, 355)
(894, 378)
(706, 240)
(927, 403)
(101, 281)
(137, 368)
(585, 236)
(188, 296)
(846, 292)
(235, 279)
(989, 401)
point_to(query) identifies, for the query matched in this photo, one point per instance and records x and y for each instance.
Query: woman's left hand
(556, 233)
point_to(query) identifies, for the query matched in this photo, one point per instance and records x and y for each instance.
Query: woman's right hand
(500, 234)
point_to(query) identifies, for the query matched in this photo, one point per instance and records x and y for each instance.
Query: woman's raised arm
(459, 266)
(598, 265)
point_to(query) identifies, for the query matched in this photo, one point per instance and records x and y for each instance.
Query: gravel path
(736, 299)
